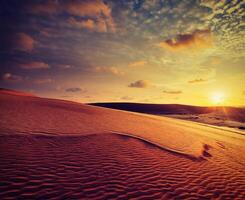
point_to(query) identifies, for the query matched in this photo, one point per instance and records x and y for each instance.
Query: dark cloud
(172, 91)
(140, 84)
(200, 80)
(74, 89)
(197, 40)
(24, 42)
(17, 41)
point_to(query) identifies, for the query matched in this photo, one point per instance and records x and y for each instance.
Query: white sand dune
(59, 149)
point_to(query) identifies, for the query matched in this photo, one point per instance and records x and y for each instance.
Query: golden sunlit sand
(54, 149)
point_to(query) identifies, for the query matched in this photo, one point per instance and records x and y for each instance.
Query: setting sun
(218, 98)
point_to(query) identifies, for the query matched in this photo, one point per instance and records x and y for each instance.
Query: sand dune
(53, 149)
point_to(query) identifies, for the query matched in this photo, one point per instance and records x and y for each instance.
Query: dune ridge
(201, 157)
(15, 92)
(34, 114)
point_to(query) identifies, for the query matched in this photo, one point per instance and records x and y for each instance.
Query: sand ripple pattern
(110, 166)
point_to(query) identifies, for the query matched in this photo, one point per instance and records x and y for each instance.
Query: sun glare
(218, 98)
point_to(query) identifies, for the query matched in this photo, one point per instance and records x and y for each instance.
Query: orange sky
(185, 52)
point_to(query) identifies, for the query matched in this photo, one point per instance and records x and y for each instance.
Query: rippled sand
(112, 154)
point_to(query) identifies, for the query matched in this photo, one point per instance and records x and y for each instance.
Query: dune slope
(59, 149)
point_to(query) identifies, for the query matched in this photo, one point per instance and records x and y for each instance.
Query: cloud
(227, 20)
(89, 8)
(93, 9)
(24, 42)
(172, 91)
(43, 80)
(16, 42)
(12, 77)
(34, 65)
(64, 66)
(127, 98)
(139, 63)
(140, 84)
(47, 7)
(110, 70)
(89, 24)
(213, 4)
(74, 89)
(199, 39)
(200, 80)
(95, 13)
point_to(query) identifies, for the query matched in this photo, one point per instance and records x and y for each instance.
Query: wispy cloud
(83, 24)
(172, 91)
(109, 70)
(199, 80)
(64, 66)
(139, 63)
(12, 77)
(34, 65)
(88, 24)
(43, 80)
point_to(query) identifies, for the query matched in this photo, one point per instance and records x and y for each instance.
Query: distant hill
(157, 109)
(231, 113)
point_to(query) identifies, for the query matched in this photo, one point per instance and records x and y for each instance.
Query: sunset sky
(152, 51)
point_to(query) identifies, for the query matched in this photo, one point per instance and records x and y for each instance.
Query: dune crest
(15, 92)
(50, 116)
(204, 153)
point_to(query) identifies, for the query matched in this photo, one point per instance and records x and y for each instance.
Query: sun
(218, 98)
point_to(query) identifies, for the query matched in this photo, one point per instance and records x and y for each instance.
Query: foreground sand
(64, 150)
